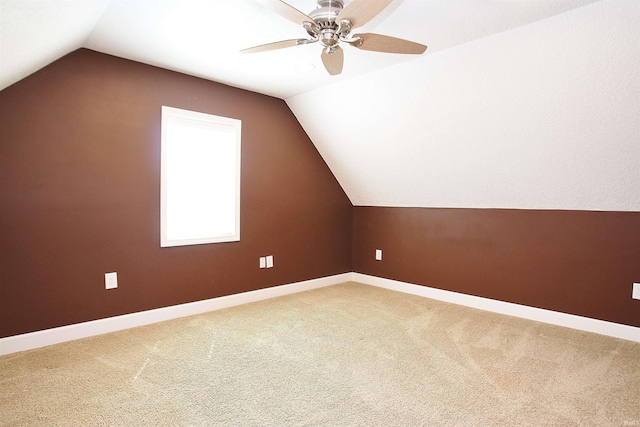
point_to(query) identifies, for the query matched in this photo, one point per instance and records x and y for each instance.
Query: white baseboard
(111, 324)
(46, 337)
(602, 327)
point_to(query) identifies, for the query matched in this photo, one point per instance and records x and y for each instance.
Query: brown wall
(80, 196)
(575, 262)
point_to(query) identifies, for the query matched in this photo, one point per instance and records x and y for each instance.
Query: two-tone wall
(507, 167)
(80, 196)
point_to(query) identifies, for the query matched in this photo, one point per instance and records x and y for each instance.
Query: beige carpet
(349, 354)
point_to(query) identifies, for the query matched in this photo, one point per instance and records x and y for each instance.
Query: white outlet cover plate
(263, 262)
(379, 254)
(111, 280)
(270, 261)
(636, 291)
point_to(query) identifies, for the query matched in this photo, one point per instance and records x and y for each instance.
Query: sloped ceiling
(544, 116)
(517, 103)
(35, 33)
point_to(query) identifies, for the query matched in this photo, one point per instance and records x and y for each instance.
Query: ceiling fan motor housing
(325, 16)
(330, 4)
(326, 13)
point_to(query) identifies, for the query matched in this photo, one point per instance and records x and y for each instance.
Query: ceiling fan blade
(359, 12)
(286, 11)
(275, 45)
(333, 61)
(380, 43)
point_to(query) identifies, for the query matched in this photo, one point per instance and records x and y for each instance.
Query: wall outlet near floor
(111, 280)
(636, 291)
(379, 254)
(270, 261)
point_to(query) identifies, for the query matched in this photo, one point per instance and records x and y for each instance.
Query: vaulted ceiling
(516, 103)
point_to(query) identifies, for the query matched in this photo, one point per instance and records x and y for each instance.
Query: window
(200, 178)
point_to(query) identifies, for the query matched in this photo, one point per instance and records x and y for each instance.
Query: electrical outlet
(635, 294)
(270, 261)
(111, 280)
(263, 262)
(379, 254)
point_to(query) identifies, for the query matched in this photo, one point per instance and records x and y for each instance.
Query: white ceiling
(516, 103)
(204, 37)
(543, 116)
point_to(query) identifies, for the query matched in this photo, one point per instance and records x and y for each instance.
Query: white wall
(545, 116)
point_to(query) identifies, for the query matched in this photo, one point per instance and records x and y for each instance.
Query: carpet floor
(343, 355)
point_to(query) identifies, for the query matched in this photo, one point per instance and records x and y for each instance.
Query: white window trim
(208, 121)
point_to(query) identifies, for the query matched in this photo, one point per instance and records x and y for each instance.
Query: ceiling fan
(331, 23)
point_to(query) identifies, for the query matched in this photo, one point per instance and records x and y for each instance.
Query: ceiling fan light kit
(331, 24)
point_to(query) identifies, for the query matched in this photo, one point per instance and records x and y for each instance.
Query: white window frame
(172, 190)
